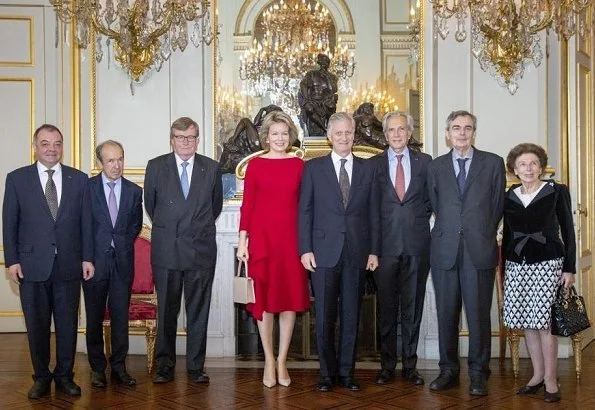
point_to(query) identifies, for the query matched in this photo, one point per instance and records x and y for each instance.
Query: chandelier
(295, 32)
(144, 33)
(382, 100)
(504, 33)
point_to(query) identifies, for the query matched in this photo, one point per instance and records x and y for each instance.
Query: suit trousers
(401, 282)
(197, 286)
(464, 284)
(340, 286)
(40, 301)
(115, 291)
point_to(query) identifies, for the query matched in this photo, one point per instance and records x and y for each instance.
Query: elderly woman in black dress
(538, 248)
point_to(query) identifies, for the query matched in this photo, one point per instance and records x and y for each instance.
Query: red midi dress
(269, 214)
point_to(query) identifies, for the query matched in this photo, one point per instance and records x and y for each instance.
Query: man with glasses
(183, 198)
(466, 188)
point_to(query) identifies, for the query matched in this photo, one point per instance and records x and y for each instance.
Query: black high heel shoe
(552, 397)
(526, 389)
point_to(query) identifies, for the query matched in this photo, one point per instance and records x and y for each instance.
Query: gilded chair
(142, 312)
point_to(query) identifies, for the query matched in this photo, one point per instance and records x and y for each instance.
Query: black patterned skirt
(529, 291)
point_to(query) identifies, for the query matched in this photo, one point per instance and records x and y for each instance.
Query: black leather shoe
(385, 377)
(413, 377)
(98, 379)
(163, 376)
(349, 383)
(444, 381)
(123, 378)
(324, 385)
(40, 388)
(478, 386)
(551, 397)
(67, 386)
(199, 377)
(526, 389)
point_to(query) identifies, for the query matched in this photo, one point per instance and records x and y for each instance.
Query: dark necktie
(51, 194)
(344, 182)
(400, 178)
(184, 180)
(112, 204)
(462, 176)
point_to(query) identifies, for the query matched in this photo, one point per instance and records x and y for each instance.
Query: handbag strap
(239, 270)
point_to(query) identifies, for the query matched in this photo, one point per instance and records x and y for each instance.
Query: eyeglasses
(189, 138)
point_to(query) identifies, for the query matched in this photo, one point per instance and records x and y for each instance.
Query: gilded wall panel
(17, 45)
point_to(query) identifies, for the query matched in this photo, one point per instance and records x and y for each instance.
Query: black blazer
(32, 237)
(183, 230)
(128, 225)
(404, 226)
(324, 222)
(474, 218)
(533, 233)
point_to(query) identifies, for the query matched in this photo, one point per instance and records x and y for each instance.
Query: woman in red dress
(268, 241)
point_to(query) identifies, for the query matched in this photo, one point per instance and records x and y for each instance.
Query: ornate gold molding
(31, 61)
(31, 82)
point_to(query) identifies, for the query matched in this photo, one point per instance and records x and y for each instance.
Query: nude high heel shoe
(283, 382)
(267, 380)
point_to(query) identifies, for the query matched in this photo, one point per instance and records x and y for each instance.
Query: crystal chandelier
(144, 33)
(295, 32)
(382, 100)
(504, 33)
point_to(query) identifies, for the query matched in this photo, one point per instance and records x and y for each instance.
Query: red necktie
(400, 178)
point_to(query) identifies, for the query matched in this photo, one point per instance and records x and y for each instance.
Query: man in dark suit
(183, 198)
(116, 205)
(466, 188)
(48, 247)
(338, 240)
(405, 237)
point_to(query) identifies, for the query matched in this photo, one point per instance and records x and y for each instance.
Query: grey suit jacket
(404, 225)
(473, 218)
(183, 230)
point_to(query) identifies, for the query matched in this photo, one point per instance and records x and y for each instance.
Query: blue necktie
(462, 176)
(184, 179)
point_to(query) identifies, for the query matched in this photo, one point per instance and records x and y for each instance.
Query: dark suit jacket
(324, 222)
(183, 231)
(32, 237)
(128, 225)
(473, 218)
(548, 216)
(404, 226)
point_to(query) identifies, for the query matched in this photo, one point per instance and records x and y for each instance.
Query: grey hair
(49, 128)
(337, 117)
(460, 113)
(389, 115)
(107, 142)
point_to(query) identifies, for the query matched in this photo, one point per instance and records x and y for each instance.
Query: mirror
(376, 32)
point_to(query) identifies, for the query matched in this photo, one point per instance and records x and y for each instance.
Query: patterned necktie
(400, 178)
(462, 176)
(112, 204)
(344, 182)
(184, 180)
(51, 194)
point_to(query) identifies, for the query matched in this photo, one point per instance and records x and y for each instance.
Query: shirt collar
(336, 158)
(469, 155)
(42, 168)
(179, 160)
(106, 180)
(393, 155)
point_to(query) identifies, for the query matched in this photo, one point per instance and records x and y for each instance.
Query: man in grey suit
(338, 240)
(183, 198)
(401, 173)
(466, 188)
(48, 248)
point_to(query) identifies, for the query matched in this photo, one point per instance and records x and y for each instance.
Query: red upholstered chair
(142, 312)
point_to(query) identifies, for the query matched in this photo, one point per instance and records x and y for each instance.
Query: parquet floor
(237, 385)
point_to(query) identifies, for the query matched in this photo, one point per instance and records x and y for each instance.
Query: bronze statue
(317, 97)
(368, 128)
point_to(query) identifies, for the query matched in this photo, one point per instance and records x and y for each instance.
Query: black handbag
(569, 314)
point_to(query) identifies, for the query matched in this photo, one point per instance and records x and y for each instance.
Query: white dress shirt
(337, 164)
(392, 166)
(189, 167)
(57, 177)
